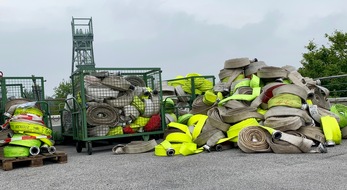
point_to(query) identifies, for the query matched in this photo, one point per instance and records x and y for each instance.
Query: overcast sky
(179, 36)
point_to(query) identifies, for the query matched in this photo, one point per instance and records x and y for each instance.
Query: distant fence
(337, 86)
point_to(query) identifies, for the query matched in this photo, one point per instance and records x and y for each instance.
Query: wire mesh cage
(180, 93)
(16, 90)
(116, 102)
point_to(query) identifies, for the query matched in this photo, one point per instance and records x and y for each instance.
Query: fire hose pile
(119, 105)
(30, 135)
(256, 108)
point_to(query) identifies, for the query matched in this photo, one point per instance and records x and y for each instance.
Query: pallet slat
(33, 161)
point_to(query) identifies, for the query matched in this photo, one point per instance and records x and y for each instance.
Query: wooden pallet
(33, 161)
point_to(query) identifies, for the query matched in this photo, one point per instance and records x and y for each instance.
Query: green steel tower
(82, 44)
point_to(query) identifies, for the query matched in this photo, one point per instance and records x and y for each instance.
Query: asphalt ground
(229, 169)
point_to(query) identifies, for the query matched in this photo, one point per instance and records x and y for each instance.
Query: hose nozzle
(207, 148)
(277, 135)
(170, 152)
(219, 147)
(34, 150)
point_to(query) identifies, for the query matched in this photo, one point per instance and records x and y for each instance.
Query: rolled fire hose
(331, 130)
(118, 130)
(27, 126)
(253, 83)
(235, 129)
(266, 94)
(102, 114)
(284, 123)
(230, 75)
(209, 98)
(215, 119)
(27, 111)
(341, 111)
(199, 107)
(236, 63)
(116, 83)
(239, 114)
(29, 142)
(136, 81)
(149, 108)
(131, 111)
(253, 139)
(291, 89)
(288, 100)
(18, 137)
(139, 104)
(253, 67)
(184, 118)
(16, 151)
(30, 117)
(98, 131)
(135, 147)
(141, 121)
(121, 100)
(313, 133)
(234, 104)
(269, 72)
(34, 150)
(47, 149)
(169, 105)
(280, 111)
(156, 101)
(100, 91)
(46, 140)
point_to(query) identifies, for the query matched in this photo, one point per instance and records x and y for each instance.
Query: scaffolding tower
(82, 43)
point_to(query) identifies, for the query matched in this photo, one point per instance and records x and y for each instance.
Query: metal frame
(82, 43)
(78, 111)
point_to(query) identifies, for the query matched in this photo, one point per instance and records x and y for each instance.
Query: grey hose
(102, 114)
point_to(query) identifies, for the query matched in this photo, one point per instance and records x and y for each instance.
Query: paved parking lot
(230, 169)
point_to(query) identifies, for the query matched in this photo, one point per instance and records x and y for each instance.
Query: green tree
(64, 88)
(326, 61)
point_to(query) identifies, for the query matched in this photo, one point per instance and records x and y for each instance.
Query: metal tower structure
(82, 43)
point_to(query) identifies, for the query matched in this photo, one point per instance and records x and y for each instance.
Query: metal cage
(28, 88)
(110, 103)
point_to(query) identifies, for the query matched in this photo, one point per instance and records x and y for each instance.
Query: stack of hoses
(260, 108)
(192, 82)
(115, 101)
(30, 133)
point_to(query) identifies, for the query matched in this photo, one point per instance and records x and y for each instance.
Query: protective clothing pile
(30, 134)
(257, 108)
(119, 104)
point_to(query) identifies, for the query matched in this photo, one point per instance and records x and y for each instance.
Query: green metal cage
(98, 107)
(28, 88)
(193, 86)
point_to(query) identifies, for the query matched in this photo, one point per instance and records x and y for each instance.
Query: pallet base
(33, 161)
